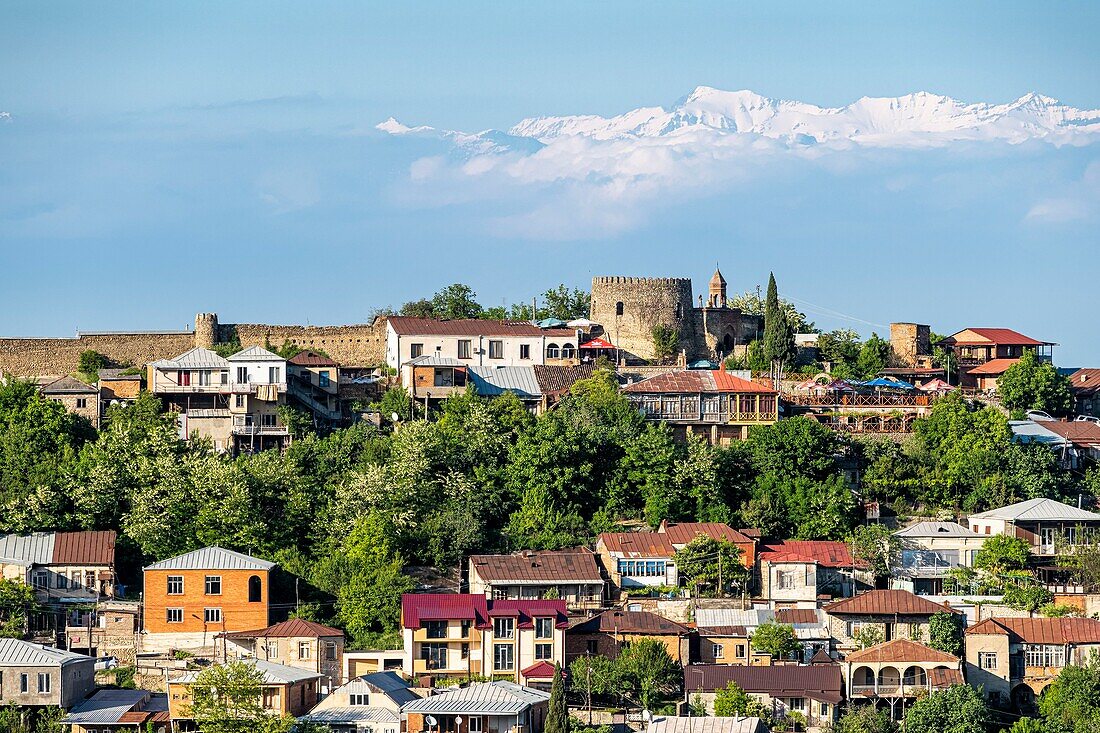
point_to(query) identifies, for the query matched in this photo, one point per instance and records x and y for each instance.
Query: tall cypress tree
(778, 335)
(557, 716)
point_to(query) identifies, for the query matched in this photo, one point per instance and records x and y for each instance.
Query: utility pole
(720, 586)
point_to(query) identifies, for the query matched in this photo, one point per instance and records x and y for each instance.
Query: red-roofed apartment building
(795, 573)
(715, 404)
(463, 635)
(1000, 347)
(1014, 659)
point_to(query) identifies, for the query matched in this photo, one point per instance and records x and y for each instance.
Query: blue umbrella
(892, 383)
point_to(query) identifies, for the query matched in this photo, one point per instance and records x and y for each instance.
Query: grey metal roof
(492, 380)
(435, 360)
(389, 684)
(711, 617)
(255, 353)
(212, 558)
(274, 674)
(68, 385)
(196, 358)
(1039, 509)
(351, 714)
(936, 529)
(1029, 431)
(31, 548)
(107, 706)
(19, 653)
(697, 724)
(480, 698)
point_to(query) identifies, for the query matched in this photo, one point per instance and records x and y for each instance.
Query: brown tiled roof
(559, 566)
(638, 544)
(1068, 630)
(886, 602)
(902, 650)
(410, 326)
(311, 358)
(941, 678)
(84, 548)
(993, 367)
(826, 553)
(999, 336)
(723, 631)
(630, 622)
(553, 378)
(1085, 382)
(294, 627)
(819, 682)
(695, 381)
(796, 616)
(1081, 432)
(682, 533)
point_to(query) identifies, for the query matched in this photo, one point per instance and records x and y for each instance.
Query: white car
(106, 663)
(1039, 416)
(1087, 418)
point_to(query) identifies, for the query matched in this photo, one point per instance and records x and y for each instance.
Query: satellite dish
(430, 720)
(394, 417)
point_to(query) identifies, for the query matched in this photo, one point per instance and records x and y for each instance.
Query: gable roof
(797, 616)
(902, 650)
(255, 353)
(681, 533)
(410, 326)
(480, 698)
(695, 381)
(707, 724)
(1036, 509)
(295, 627)
(826, 553)
(68, 385)
(117, 706)
(490, 381)
(886, 602)
(212, 558)
(550, 566)
(274, 674)
(820, 682)
(553, 378)
(731, 621)
(1066, 630)
(988, 336)
(1078, 432)
(637, 544)
(993, 367)
(936, 529)
(60, 548)
(311, 358)
(196, 358)
(1084, 382)
(630, 622)
(19, 653)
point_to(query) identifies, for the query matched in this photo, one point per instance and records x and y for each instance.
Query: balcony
(889, 690)
(252, 429)
(208, 413)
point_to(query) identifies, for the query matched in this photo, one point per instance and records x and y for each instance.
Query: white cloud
(1080, 201)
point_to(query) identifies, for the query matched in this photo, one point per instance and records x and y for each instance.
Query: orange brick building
(193, 597)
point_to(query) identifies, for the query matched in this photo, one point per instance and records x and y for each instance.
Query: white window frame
(170, 612)
(987, 660)
(212, 615)
(169, 583)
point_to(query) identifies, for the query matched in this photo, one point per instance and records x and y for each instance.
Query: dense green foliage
(711, 567)
(958, 709)
(865, 719)
(557, 713)
(779, 348)
(665, 343)
(460, 301)
(226, 699)
(731, 701)
(945, 632)
(1033, 385)
(648, 672)
(776, 639)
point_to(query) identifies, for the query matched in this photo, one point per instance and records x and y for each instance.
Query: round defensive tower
(629, 308)
(206, 330)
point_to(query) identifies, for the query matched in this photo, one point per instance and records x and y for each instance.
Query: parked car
(106, 663)
(1039, 416)
(1087, 418)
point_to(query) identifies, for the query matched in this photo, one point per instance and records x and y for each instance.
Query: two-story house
(61, 566)
(32, 675)
(313, 381)
(283, 691)
(997, 347)
(715, 404)
(899, 671)
(1014, 659)
(886, 614)
(607, 633)
(478, 342)
(295, 643)
(1084, 385)
(1049, 526)
(371, 702)
(192, 597)
(725, 635)
(814, 691)
(77, 397)
(929, 551)
(572, 575)
(464, 635)
(480, 707)
(796, 573)
(232, 402)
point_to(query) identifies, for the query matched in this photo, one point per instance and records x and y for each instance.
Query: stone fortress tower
(206, 330)
(629, 308)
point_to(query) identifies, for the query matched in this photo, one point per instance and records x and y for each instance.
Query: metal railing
(861, 400)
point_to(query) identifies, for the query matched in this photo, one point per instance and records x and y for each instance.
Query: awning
(598, 343)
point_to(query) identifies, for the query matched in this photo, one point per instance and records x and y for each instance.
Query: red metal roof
(527, 610)
(1080, 433)
(1085, 382)
(992, 367)
(941, 678)
(638, 544)
(886, 603)
(902, 650)
(540, 670)
(796, 616)
(819, 682)
(826, 553)
(418, 607)
(682, 533)
(999, 336)
(294, 627)
(84, 548)
(553, 378)
(558, 566)
(1068, 630)
(696, 381)
(410, 326)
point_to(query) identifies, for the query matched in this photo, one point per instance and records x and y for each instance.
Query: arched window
(255, 589)
(552, 351)
(679, 311)
(619, 308)
(567, 351)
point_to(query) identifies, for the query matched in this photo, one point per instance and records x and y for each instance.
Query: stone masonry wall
(354, 345)
(647, 302)
(33, 357)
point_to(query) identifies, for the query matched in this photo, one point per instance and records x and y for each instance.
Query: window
(203, 377)
(242, 375)
(272, 649)
(270, 698)
(24, 683)
(466, 628)
(797, 704)
(464, 349)
(223, 376)
(825, 710)
(304, 652)
(416, 350)
(62, 580)
(739, 650)
(987, 660)
(592, 646)
(213, 585)
(330, 651)
(496, 349)
(183, 379)
(255, 589)
(324, 378)
(274, 375)
(717, 651)
(81, 403)
(619, 308)
(212, 615)
(854, 627)
(786, 579)
(544, 628)
(525, 351)
(44, 682)
(360, 698)
(552, 351)
(239, 401)
(435, 629)
(175, 585)
(475, 725)
(544, 651)
(567, 351)
(173, 615)
(268, 420)
(504, 628)
(502, 657)
(1044, 655)
(40, 580)
(435, 655)
(642, 568)
(464, 651)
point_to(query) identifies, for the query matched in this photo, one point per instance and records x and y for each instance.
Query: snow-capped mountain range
(915, 119)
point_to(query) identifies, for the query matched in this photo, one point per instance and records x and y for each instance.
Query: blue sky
(167, 158)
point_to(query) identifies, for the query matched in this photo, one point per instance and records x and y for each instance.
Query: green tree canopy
(776, 639)
(731, 701)
(1001, 553)
(1033, 385)
(456, 301)
(865, 719)
(779, 347)
(958, 709)
(945, 632)
(649, 671)
(711, 566)
(226, 698)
